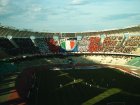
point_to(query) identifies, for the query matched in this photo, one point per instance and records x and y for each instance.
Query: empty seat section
(7, 46)
(3, 54)
(5, 43)
(25, 46)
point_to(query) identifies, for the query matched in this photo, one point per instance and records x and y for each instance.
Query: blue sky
(69, 15)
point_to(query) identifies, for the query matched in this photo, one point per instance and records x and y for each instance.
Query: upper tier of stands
(16, 42)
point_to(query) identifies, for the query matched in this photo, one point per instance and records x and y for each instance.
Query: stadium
(69, 52)
(90, 68)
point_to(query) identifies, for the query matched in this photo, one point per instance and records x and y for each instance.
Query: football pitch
(102, 86)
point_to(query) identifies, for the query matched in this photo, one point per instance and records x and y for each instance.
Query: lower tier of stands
(134, 62)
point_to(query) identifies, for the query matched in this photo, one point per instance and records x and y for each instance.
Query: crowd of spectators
(110, 44)
(42, 45)
(94, 45)
(52, 45)
(133, 41)
(83, 44)
(114, 44)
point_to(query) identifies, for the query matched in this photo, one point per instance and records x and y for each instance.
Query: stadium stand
(48, 71)
(7, 69)
(42, 45)
(114, 41)
(25, 46)
(83, 44)
(3, 54)
(53, 45)
(134, 62)
(94, 45)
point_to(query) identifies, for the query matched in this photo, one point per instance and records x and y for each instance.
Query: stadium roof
(5, 31)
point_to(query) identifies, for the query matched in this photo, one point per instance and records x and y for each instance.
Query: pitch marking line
(102, 96)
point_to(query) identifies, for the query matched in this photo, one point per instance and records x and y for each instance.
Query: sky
(69, 15)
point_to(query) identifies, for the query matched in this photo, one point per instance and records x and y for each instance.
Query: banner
(68, 45)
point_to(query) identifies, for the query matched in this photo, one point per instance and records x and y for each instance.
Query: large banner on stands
(68, 45)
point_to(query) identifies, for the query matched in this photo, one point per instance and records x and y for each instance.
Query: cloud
(4, 6)
(4, 2)
(34, 8)
(122, 16)
(78, 2)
